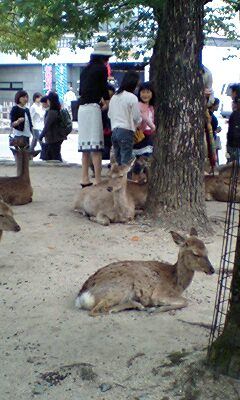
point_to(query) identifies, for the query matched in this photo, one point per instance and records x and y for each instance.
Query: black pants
(53, 151)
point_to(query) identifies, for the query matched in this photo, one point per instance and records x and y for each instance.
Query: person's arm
(146, 119)
(103, 83)
(137, 119)
(14, 120)
(33, 111)
(50, 119)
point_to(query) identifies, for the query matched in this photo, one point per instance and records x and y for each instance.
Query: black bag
(65, 122)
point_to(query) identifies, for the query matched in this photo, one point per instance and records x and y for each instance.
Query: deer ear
(178, 239)
(193, 232)
(1, 198)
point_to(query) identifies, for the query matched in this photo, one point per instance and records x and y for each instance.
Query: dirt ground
(50, 350)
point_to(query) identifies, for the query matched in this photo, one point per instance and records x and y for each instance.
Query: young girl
(146, 99)
(125, 116)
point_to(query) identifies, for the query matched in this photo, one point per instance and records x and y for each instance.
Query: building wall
(30, 75)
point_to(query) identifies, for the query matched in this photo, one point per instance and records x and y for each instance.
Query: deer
(217, 188)
(108, 201)
(142, 285)
(7, 221)
(17, 190)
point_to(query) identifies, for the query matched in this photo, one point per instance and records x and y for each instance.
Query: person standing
(93, 88)
(125, 116)
(233, 134)
(68, 98)
(20, 118)
(37, 114)
(52, 128)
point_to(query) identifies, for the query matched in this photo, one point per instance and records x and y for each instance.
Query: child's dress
(145, 147)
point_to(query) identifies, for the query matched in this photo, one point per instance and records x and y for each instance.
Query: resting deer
(7, 222)
(108, 201)
(141, 284)
(17, 190)
(217, 188)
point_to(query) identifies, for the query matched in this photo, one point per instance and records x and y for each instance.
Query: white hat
(102, 49)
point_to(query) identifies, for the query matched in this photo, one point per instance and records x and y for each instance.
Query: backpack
(65, 123)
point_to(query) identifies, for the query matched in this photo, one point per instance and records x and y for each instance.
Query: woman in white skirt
(93, 88)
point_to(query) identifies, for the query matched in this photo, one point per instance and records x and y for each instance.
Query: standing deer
(108, 201)
(17, 190)
(140, 284)
(7, 222)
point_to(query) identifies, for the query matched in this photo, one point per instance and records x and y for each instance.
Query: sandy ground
(50, 350)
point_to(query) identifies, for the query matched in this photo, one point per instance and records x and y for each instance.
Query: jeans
(35, 139)
(122, 140)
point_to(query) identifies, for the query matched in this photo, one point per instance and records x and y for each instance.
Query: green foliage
(35, 26)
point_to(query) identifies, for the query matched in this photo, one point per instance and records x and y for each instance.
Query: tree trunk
(225, 351)
(176, 195)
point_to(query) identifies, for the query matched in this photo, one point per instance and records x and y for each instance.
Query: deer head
(193, 252)
(118, 176)
(7, 222)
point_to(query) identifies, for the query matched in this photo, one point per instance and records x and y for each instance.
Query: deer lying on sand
(217, 188)
(7, 222)
(17, 190)
(141, 284)
(108, 201)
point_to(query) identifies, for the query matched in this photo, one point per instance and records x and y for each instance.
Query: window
(11, 85)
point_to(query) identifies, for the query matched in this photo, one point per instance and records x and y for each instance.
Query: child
(233, 135)
(146, 98)
(125, 116)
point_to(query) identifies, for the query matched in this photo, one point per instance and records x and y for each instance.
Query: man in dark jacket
(233, 135)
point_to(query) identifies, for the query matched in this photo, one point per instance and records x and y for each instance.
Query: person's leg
(97, 163)
(126, 145)
(57, 151)
(34, 139)
(116, 147)
(85, 166)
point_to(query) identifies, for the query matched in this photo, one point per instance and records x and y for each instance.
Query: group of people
(42, 121)
(212, 130)
(121, 119)
(105, 117)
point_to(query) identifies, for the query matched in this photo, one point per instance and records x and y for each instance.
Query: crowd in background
(121, 119)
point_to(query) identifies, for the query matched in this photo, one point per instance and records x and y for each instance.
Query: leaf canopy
(35, 27)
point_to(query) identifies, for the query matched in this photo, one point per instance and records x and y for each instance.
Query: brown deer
(7, 222)
(17, 190)
(217, 188)
(141, 284)
(108, 201)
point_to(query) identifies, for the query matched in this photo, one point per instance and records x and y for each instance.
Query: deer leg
(169, 304)
(102, 307)
(100, 219)
(129, 305)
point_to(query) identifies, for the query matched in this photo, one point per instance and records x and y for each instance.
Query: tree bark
(176, 195)
(225, 351)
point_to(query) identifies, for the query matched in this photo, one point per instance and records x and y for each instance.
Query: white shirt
(37, 114)
(68, 97)
(124, 111)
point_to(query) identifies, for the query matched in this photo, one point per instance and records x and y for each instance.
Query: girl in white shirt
(37, 114)
(125, 116)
